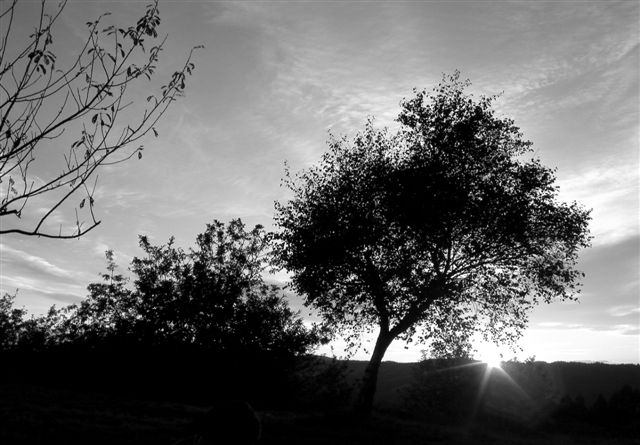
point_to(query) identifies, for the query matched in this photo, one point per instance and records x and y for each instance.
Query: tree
(215, 295)
(445, 227)
(199, 324)
(17, 332)
(11, 322)
(212, 298)
(108, 314)
(90, 95)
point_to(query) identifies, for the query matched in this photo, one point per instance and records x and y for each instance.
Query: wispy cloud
(35, 276)
(611, 192)
(623, 311)
(31, 262)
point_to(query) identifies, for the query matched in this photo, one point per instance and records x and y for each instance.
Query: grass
(31, 414)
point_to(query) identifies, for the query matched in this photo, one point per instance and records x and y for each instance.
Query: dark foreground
(31, 414)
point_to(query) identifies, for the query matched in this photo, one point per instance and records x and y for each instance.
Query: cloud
(555, 344)
(621, 329)
(559, 325)
(31, 263)
(611, 191)
(609, 298)
(39, 295)
(623, 311)
(39, 282)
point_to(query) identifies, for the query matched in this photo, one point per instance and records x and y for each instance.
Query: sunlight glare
(490, 355)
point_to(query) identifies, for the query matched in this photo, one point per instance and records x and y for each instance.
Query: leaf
(155, 132)
(82, 203)
(94, 118)
(139, 155)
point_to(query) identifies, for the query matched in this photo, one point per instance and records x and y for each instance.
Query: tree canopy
(446, 228)
(192, 325)
(210, 298)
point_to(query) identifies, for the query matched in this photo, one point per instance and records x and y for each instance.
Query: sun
(489, 354)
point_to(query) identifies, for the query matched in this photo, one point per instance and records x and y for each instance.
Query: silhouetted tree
(108, 314)
(444, 226)
(11, 322)
(212, 297)
(41, 100)
(20, 332)
(624, 405)
(201, 324)
(215, 295)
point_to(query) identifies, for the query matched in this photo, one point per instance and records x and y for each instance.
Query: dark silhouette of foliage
(624, 406)
(620, 413)
(108, 314)
(11, 322)
(213, 297)
(42, 99)
(199, 324)
(20, 332)
(445, 227)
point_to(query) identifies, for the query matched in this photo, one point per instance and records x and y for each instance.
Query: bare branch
(109, 61)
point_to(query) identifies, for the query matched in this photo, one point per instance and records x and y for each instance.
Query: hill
(561, 378)
(432, 402)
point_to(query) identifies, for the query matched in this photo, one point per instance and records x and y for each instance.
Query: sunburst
(489, 354)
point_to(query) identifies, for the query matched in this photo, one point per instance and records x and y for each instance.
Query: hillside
(417, 403)
(562, 378)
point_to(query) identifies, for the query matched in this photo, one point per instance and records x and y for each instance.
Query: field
(45, 414)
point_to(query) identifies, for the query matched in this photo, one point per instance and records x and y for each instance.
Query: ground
(31, 414)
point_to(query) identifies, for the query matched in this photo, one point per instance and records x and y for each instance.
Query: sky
(276, 77)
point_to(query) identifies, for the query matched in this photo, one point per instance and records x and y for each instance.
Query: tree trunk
(364, 402)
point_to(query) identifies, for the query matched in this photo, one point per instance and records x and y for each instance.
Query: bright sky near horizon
(276, 76)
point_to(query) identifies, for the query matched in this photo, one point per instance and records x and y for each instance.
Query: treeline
(192, 324)
(520, 393)
(622, 409)
(213, 297)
